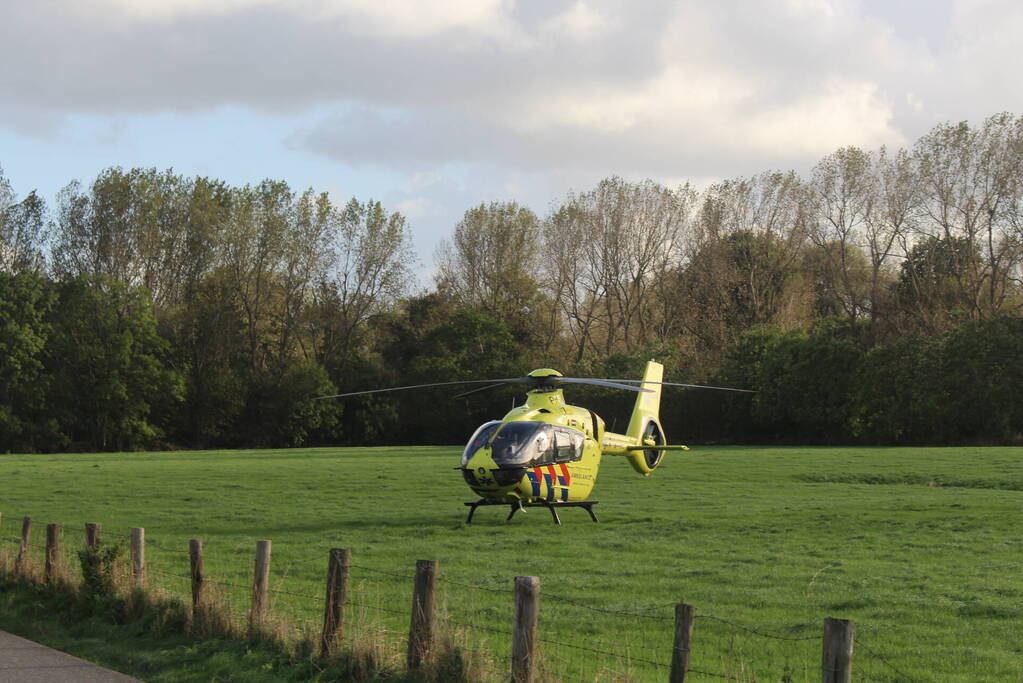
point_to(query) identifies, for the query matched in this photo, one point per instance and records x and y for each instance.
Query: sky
(433, 107)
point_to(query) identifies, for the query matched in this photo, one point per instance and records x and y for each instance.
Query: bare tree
(605, 252)
(492, 264)
(889, 222)
(572, 280)
(741, 263)
(971, 185)
(841, 195)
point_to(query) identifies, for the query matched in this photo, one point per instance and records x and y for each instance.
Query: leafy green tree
(282, 408)
(208, 340)
(982, 372)
(818, 378)
(840, 277)
(901, 395)
(368, 270)
(929, 285)
(469, 345)
(730, 417)
(26, 300)
(24, 232)
(112, 387)
(804, 382)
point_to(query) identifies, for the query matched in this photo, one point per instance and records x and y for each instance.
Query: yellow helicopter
(547, 452)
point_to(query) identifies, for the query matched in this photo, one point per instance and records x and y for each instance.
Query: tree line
(877, 299)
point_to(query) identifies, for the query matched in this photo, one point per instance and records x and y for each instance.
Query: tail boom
(643, 444)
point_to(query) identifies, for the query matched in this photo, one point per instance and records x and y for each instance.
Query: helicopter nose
(482, 473)
(475, 471)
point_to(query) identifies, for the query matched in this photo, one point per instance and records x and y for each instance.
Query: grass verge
(149, 635)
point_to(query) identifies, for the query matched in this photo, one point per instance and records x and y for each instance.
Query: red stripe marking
(538, 471)
(554, 477)
(564, 472)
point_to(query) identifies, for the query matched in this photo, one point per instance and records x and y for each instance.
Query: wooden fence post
(92, 532)
(527, 615)
(420, 634)
(836, 663)
(337, 597)
(195, 556)
(26, 536)
(52, 552)
(684, 617)
(138, 555)
(260, 581)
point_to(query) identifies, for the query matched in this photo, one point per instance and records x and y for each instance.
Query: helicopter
(547, 453)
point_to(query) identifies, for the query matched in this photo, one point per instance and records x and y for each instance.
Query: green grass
(921, 547)
(37, 613)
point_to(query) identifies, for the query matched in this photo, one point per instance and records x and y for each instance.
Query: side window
(569, 445)
(545, 451)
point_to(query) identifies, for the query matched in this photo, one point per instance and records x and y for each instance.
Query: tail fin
(645, 425)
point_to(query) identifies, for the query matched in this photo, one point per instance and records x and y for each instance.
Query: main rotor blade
(551, 381)
(425, 386)
(480, 390)
(680, 384)
(613, 383)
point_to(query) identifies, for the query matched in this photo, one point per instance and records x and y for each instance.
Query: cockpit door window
(569, 445)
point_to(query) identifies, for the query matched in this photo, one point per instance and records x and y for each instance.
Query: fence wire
(858, 644)
(303, 610)
(757, 631)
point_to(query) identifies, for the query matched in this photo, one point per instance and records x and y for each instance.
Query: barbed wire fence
(569, 644)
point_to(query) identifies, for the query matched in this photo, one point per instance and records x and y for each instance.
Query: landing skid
(550, 505)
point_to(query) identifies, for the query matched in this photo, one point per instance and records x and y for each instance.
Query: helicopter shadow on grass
(441, 522)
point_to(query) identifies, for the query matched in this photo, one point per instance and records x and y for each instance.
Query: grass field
(922, 547)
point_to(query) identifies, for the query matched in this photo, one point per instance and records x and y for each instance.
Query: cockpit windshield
(526, 444)
(479, 439)
(522, 443)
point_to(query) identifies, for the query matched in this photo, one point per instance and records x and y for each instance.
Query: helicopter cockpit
(526, 444)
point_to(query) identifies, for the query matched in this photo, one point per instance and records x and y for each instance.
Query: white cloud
(840, 113)
(914, 101)
(383, 17)
(421, 180)
(162, 9)
(579, 22)
(982, 72)
(418, 207)
(564, 88)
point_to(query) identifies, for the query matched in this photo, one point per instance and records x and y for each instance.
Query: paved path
(22, 661)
